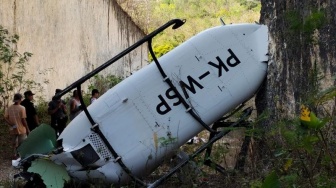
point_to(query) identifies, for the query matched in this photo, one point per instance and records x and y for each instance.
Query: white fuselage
(145, 122)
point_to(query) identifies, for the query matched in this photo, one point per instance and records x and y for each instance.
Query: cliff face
(72, 38)
(302, 48)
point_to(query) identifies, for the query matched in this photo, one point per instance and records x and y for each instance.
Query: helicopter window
(86, 155)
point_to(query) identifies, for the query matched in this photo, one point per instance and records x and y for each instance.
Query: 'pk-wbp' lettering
(163, 106)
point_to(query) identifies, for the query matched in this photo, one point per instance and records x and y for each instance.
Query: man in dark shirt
(32, 118)
(58, 112)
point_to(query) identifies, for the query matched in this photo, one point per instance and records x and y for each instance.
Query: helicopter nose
(260, 37)
(258, 43)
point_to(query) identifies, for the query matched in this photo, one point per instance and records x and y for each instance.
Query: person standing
(32, 118)
(58, 112)
(75, 105)
(15, 116)
(94, 95)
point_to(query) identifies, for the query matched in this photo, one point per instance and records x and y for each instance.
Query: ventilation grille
(101, 148)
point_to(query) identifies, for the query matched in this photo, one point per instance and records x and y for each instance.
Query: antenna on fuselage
(222, 21)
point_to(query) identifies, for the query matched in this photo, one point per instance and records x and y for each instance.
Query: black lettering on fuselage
(190, 87)
(163, 106)
(172, 95)
(219, 66)
(229, 62)
(232, 56)
(204, 75)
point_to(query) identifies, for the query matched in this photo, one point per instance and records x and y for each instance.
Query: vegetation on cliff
(199, 15)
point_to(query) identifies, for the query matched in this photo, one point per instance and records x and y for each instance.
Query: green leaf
(271, 181)
(314, 122)
(53, 175)
(308, 142)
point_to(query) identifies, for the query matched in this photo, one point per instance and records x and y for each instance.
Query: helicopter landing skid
(207, 147)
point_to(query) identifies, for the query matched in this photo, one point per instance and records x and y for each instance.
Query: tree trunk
(302, 63)
(302, 48)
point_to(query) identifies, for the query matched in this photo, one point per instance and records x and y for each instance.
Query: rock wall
(71, 38)
(302, 42)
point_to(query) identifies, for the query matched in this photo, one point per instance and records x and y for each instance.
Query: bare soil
(6, 170)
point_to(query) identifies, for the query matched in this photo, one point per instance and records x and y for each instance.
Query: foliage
(12, 66)
(271, 181)
(199, 15)
(306, 25)
(250, 4)
(161, 49)
(103, 83)
(42, 112)
(316, 96)
(13, 74)
(303, 154)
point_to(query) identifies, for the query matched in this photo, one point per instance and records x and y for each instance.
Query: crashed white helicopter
(128, 132)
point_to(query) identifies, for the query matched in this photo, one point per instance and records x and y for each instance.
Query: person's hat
(56, 97)
(17, 97)
(28, 93)
(57, 91)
